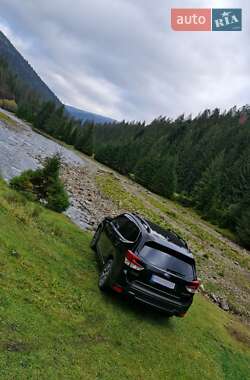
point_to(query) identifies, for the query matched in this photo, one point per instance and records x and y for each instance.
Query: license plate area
(162, 281)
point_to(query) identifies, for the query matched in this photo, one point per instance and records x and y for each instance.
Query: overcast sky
(120, 58)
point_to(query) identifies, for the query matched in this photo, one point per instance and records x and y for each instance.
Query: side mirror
(108, 218)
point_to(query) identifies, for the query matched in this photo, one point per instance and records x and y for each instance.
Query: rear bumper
(163, 302)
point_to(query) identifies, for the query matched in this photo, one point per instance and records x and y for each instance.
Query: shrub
(44, 185)
(23, 183)
(57, 197)
(8, 104)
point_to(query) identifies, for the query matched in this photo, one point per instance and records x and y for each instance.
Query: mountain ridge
(87, 116)
(22, 68)
(25, 72)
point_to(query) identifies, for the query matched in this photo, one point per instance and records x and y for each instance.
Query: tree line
(203, 162)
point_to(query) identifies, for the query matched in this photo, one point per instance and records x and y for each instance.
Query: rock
(224, 305)
(14, 253)
(202, 288)
(215, 298)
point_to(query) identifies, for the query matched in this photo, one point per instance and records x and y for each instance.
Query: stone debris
(224, 305)
(220, 301)
(85, 198)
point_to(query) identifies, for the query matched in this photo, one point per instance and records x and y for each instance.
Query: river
(21, 148)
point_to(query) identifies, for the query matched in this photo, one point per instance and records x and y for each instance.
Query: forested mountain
(26, 74)
(203, 162)
(23, 70)
(87, 116)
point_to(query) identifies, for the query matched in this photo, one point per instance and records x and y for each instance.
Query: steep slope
(20, 67)
(96, 191)
(55, 323)
(24, 71)
(88, 116)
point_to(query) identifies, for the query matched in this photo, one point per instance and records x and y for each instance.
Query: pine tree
(145, 169)
(243, 221)
(47, 109)
(165, 180)
(207, 194)
(85, 137)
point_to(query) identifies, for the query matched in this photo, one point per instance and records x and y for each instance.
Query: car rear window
(165, 259)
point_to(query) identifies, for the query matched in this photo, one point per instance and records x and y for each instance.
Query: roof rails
(148, 228)
(179, 237)
(143, 221)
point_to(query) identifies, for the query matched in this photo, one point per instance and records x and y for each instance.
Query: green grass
(190, 218)
(212, 255)
(56, 324)
(112, 189)
(6, 119)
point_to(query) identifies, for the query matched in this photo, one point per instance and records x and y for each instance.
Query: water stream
(21, 148)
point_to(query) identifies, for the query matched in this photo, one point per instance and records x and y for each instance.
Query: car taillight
(193, 286)
(133, 261)
(117, 288)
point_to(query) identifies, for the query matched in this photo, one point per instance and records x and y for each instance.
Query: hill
(30, 81)
(88, 116)
(202, 162)
(55, 323)
(19, 66)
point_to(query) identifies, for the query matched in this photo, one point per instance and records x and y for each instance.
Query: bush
(9, 105)
(23, 183)
(57, 197)
(44, 185)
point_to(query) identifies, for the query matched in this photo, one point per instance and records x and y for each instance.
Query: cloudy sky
(120, 58)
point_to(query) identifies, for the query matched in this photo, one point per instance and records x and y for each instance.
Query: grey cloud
(120, 57)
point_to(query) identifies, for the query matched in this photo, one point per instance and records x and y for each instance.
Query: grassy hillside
(6, 119)
(55, 323)
(222, 265)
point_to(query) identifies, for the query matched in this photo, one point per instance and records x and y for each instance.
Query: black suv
(144, 261)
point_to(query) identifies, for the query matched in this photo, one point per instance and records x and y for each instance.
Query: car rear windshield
(165, 259)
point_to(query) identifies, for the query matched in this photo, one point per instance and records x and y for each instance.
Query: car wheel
(105, 275)
(95, 238)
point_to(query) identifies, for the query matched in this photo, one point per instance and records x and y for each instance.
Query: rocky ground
(84, 195)
(224, 279)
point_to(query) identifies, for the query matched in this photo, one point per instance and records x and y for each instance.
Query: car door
(125, 234)
(106, 246)
(118, 234)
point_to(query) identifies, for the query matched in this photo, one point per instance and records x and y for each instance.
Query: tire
(105, 276)
(95, 238)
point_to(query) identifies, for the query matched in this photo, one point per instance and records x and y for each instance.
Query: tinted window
(169, 235)
(127, 229)
(167, 261)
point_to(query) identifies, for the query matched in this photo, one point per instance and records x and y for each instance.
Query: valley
(97, 191)
(145, 142)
